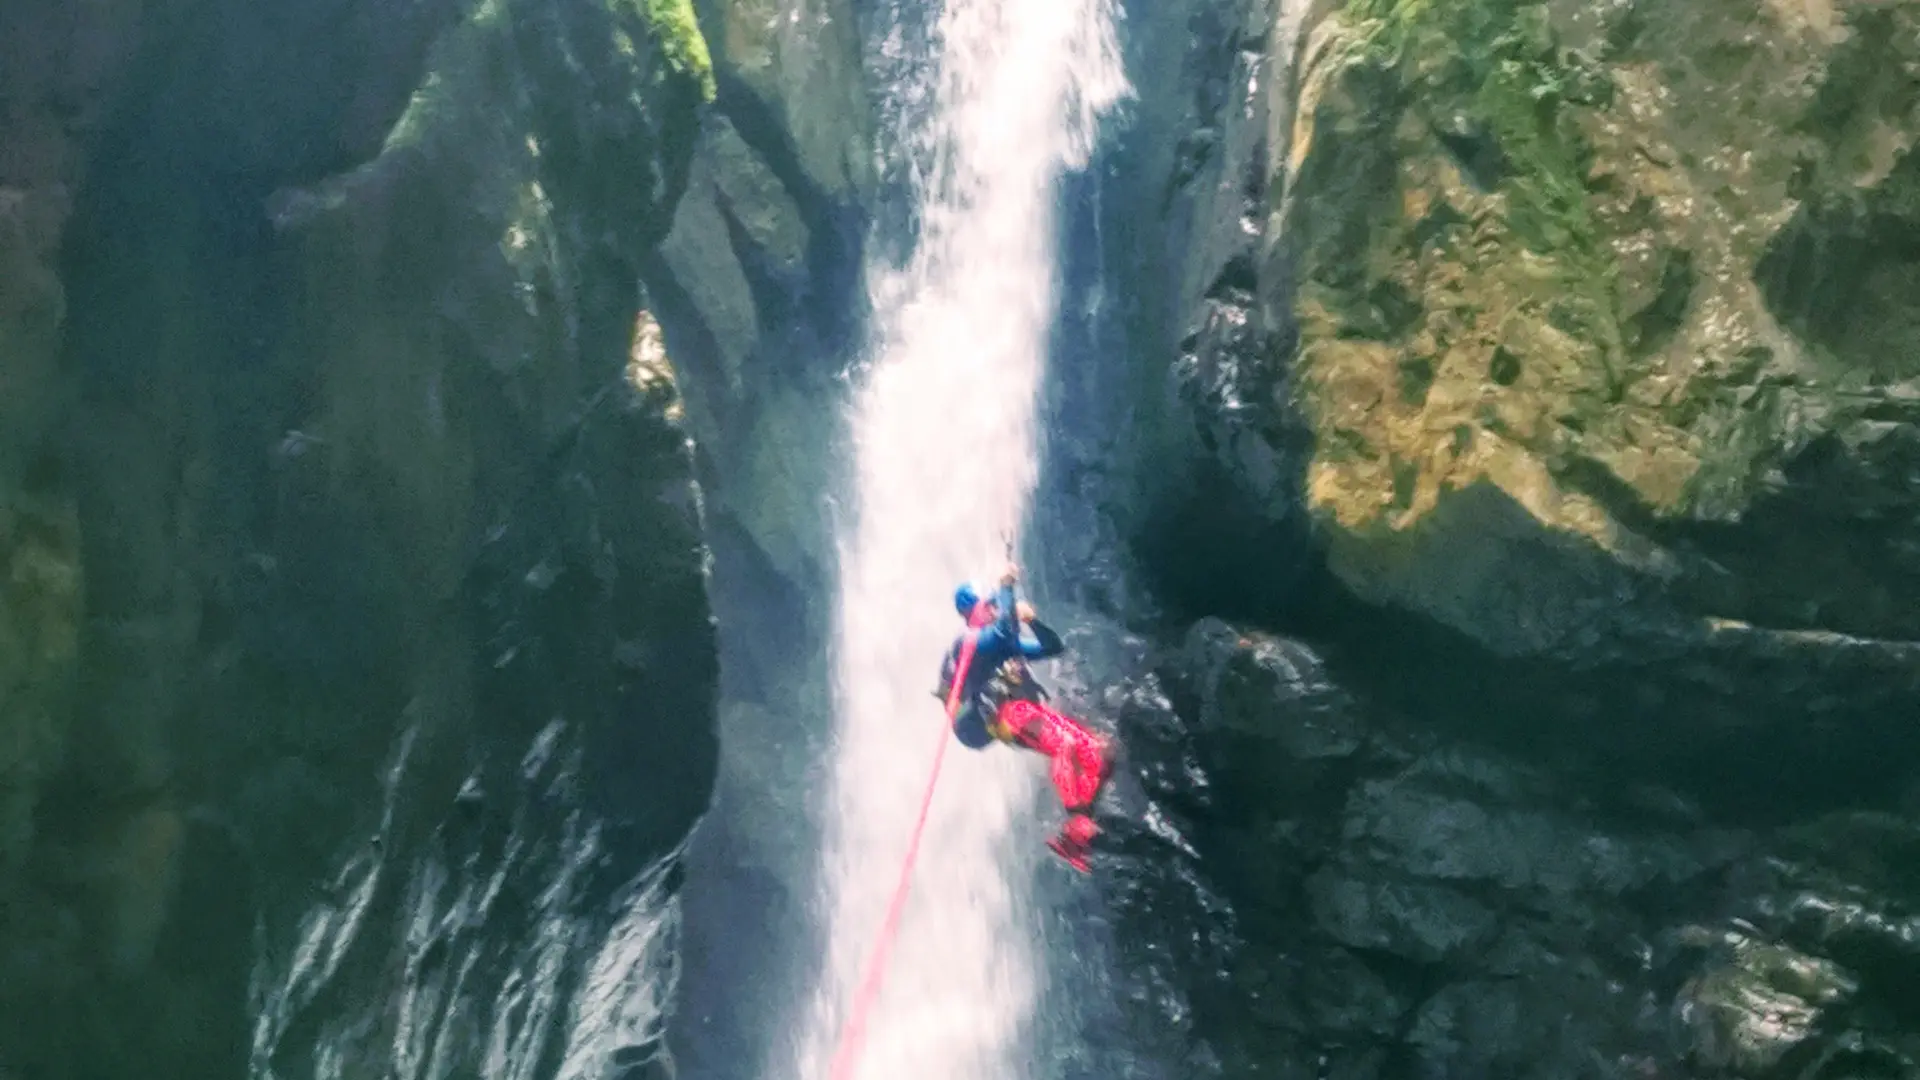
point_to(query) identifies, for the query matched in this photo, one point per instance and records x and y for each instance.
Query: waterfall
(944, 444)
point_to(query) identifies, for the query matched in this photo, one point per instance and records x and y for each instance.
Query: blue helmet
(964, 599)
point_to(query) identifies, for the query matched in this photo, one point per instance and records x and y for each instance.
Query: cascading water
(945, 461)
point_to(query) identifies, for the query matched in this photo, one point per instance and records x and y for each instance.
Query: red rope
(853, 1035)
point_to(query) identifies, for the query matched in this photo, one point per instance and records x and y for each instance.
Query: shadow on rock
(1341, 888)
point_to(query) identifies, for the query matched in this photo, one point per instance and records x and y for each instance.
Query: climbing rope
(853, 1034)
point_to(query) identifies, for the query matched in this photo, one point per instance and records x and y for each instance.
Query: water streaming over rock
(945, 460)
(518, 944)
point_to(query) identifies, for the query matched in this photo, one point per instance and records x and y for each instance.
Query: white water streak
(945, 447)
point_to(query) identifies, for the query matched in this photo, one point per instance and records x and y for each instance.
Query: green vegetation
(1490, 80)
(1497, 58)
(678, 32)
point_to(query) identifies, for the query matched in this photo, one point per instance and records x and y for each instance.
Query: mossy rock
(32, 309)
(348, 437)
(678, 32)
(804, 61)
(1540, 258)
(41, 608)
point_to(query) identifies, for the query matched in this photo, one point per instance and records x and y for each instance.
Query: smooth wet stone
(1343, 995)
(1433, 834)
(1415, 920)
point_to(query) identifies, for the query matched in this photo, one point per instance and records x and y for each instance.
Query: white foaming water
(943, 432)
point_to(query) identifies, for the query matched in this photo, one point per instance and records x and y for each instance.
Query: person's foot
(1079, 831)
(1074, 842)
(1074, 857)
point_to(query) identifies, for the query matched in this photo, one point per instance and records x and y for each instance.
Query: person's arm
(1000, 639)
(1046, 643)
(1007, 619)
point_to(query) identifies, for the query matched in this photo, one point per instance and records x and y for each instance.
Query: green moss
(1490, 80)
(1497, 58)
(678, 31)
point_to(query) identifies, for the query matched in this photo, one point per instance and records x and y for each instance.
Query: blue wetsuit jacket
(999, 642)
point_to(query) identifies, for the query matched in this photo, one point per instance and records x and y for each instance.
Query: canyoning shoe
(1074, 857)
(1079, 831)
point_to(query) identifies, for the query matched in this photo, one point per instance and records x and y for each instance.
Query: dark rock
(1459, 839)
(1663, 474)
(382, 501)
(1345, 997)
(1427, 923)
(1443, 909)
(1271, 687)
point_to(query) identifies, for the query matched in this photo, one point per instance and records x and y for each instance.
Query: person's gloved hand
(1010, 575)
(1024, 610)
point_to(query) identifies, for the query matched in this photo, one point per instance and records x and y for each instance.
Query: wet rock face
(758, 281)
(1371, 900)
(350, 567)
(1514, 332)
(803, 62)
(1569, 329)
(58, 68)
(1205, 484)
(1554, 273)
(758, 290)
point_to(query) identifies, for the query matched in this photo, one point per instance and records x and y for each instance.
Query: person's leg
(1022, 723)
(1044, 731)
(1091, 751)
(1069, 780)
(1077, 767)
(1080, 762)
(1076, 772)
(1085, 761)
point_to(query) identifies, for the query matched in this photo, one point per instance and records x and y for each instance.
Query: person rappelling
(1000, 700)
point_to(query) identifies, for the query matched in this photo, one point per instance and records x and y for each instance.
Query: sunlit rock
(804, 61)
(1555, 268)
(1758, 1002)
